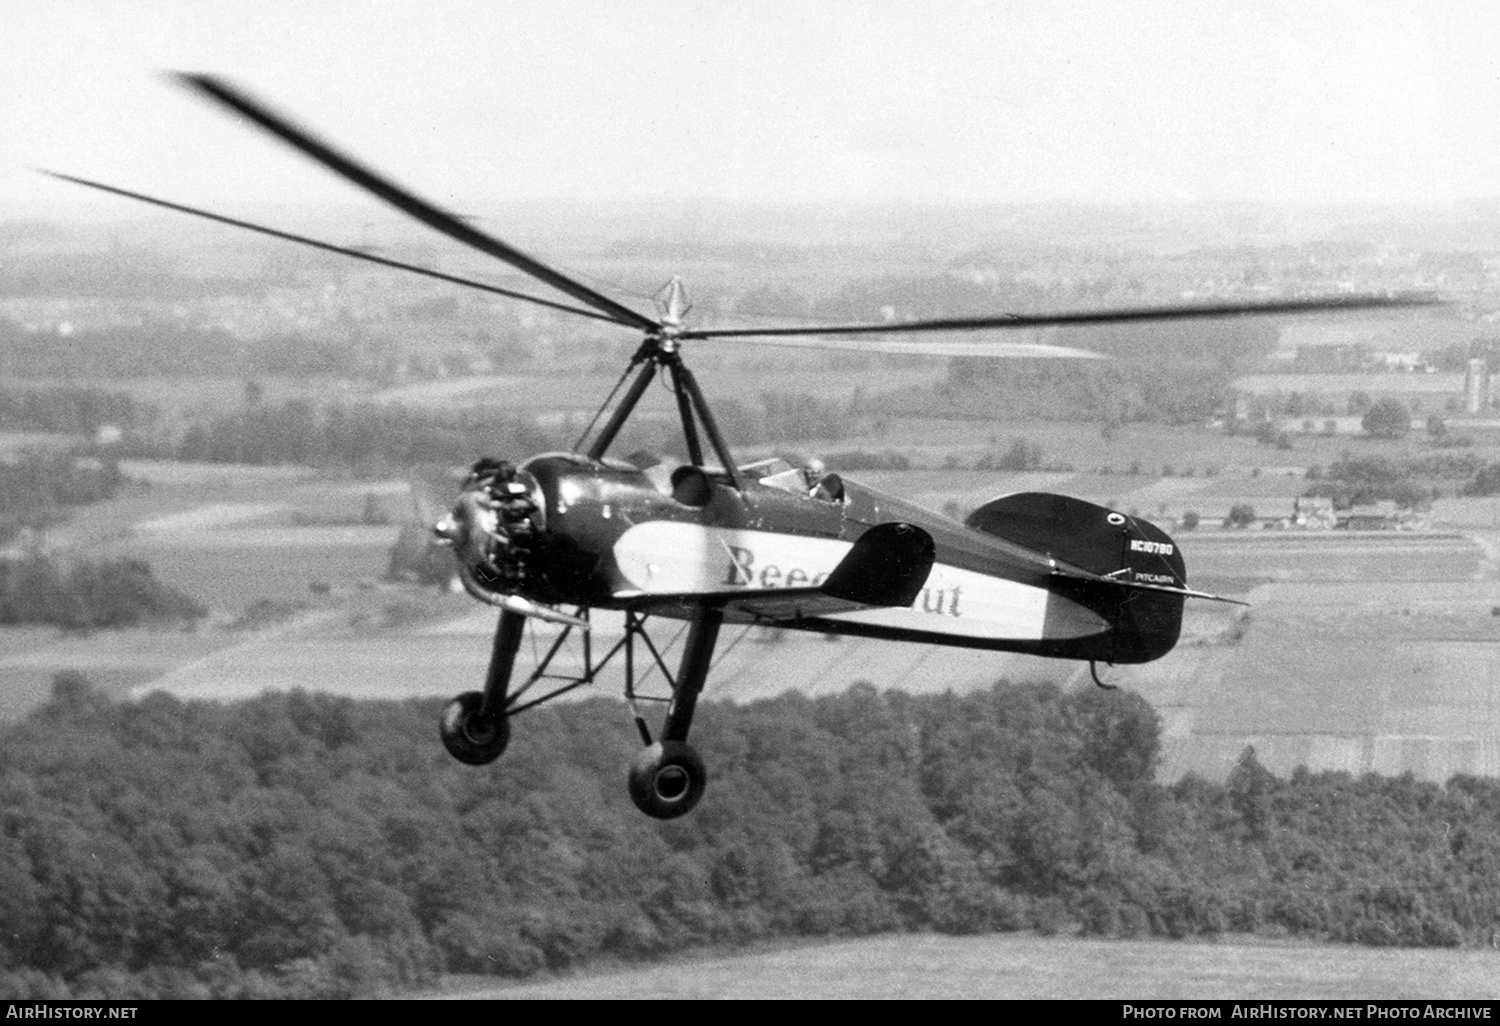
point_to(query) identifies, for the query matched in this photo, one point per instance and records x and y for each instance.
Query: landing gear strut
(475, 726)
(668, 777)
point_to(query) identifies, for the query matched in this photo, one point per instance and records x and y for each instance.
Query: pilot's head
(488, 469)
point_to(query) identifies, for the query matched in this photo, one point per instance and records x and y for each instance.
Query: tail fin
(1092, 538)
(1127, 570)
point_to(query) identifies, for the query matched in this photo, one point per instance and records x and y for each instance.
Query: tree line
(1170, 373)
(1412, 483)
(37, 488)
(171, 350)
(72, 410)
(380, 436)
(37, 588)
(306, 845)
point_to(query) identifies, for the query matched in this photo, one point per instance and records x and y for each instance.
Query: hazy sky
(467, 102)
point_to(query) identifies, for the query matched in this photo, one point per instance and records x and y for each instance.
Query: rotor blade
(1320, 304)
(327, 246)
(932, 347)
(440, 220)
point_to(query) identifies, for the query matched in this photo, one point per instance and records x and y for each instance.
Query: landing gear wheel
(469, 737)
(667, 779)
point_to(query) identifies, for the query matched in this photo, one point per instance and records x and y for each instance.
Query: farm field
(772, 372)
(1019, 966)
(1148, 495)
(1362, 652)
(23, 441)
(1185, 447)
(209, 395)
(114, 661)
(1438, 385)
(230, 536)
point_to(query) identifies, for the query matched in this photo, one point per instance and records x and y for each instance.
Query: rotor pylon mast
(661, 352)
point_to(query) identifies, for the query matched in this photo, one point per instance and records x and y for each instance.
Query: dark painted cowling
(1145, 625)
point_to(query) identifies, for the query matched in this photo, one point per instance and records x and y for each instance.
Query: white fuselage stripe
(664, 557)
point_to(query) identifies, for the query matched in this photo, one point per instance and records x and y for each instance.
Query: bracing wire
(744, 633)
(608, 401)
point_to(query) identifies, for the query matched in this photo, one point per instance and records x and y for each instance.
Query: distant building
(1409, 362)
(1477, 386)
(1313, 513)
(1381, 516)
(1344, 356)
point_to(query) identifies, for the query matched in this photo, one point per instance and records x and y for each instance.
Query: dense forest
(302, 844)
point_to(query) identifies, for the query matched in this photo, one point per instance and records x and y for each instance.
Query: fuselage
(617, 536)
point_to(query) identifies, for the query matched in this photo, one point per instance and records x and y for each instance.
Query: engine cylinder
(494, 529)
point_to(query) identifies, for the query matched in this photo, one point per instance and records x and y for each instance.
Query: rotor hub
(672, 306)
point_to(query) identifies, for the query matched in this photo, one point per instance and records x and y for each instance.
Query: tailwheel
(667, 779)
(470, 736)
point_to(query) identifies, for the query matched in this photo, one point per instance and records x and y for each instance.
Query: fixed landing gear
(667, 779)
(475, 726)
(470, 736)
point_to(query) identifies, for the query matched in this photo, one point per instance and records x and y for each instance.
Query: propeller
(462, 529)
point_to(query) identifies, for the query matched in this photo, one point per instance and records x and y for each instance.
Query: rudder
(1103, 543)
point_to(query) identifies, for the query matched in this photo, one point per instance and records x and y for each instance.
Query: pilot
(812, 472)
(488, 470)
(822, 485)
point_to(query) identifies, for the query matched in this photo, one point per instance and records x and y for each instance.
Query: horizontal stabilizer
(1125, 579)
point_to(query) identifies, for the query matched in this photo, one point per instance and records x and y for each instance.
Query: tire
(469, 738)
(667, 779)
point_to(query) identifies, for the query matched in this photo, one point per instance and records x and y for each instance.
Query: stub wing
(885, 567)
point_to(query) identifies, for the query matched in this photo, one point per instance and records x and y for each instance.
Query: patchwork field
(1167, 497)
(793, 372)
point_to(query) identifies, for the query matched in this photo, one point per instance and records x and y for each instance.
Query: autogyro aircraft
(713, 542)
